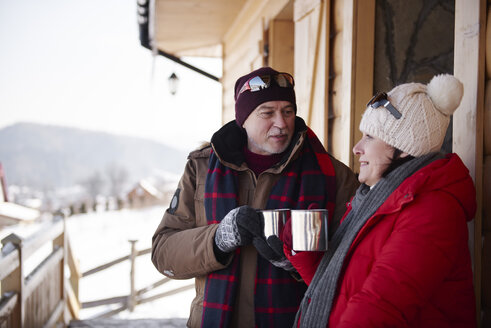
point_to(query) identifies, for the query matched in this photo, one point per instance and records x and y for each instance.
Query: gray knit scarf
(316, 305)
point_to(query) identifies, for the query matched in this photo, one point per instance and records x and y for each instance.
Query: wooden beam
(357, 70)
(469, 68)
(317, 54)
(106, 301)
(488, 42)
(55, 315)
(132, 296)
(105, 266)
(327, 71)
(110, 313)
(304, 7)
(75, 273)
(153, 286)
(9, 262)
(144, 251)
(281, 45)
(167, 293)
(310, 63)
(363, 59)
(72, 301)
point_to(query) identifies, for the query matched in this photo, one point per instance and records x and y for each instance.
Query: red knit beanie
(247, 101)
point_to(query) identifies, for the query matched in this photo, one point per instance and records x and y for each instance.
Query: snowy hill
(45, 156)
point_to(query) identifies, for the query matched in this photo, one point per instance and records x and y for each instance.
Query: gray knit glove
(237, 228)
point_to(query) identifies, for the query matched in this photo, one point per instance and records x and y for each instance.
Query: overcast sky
(80, 64)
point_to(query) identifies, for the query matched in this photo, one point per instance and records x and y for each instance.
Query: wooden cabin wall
(243, 47)
(310, 63)
(486, 197)
(334, 69)
(281, 40)
(468, 134)
(351, 74)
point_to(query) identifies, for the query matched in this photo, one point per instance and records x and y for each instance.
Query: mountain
(45, 156)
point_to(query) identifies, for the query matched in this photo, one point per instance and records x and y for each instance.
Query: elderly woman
(400, 257)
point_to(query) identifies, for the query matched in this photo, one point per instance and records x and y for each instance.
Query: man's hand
(237, 228)
(272, 250)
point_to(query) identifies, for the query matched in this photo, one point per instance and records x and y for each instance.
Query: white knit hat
(425, 110)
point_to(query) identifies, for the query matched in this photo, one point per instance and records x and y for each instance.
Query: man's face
(270, 127)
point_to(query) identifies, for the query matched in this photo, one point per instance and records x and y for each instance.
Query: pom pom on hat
(425, 110)
(445, 92)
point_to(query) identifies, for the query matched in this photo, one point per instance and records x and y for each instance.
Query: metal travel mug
(309, 230)
(274, 221)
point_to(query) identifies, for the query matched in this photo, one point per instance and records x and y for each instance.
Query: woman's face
(375, 158)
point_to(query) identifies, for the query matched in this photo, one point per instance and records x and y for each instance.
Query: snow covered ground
(98, 238)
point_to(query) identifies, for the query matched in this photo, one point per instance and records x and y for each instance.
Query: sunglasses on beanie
(256, 83)
(380, 100)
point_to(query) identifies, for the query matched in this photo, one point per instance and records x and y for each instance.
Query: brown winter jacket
(182, 246)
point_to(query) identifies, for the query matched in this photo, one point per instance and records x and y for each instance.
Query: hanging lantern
(173, 83)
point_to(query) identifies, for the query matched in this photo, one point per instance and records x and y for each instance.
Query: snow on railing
(38, 298)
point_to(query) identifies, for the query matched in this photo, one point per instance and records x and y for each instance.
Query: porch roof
(191, 27)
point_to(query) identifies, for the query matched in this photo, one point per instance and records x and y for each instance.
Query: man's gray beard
(268, 150)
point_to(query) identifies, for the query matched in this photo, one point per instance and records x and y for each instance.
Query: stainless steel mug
(274, 221)
(309, 230)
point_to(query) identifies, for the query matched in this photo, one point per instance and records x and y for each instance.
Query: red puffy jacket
(409, 265)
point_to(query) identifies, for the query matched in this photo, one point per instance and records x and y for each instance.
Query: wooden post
(469, 68)
(14, 282)
(357, 70)
(132, 297)
(60, 242)
(74, 266)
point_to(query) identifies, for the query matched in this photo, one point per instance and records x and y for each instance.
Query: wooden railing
(41, 298)
(135, 297)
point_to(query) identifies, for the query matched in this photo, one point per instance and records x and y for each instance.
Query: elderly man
(266, 158)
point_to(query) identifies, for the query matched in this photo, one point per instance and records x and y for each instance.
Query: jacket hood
(448, 175)
(229, 141)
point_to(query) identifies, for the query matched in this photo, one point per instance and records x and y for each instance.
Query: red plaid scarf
(307, 180)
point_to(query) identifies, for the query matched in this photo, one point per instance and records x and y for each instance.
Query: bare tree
(117, 176)
(94, 185)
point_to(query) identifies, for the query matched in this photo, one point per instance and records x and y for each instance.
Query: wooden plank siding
(486, 196)
(310, 64)
(353, 65)
(243, 46)
(334, 69)
(350, 73)
(469, 67)
(281, 45)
